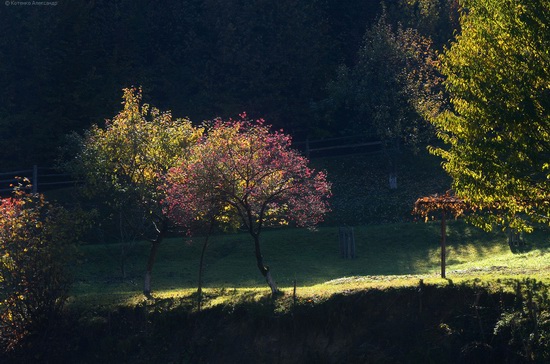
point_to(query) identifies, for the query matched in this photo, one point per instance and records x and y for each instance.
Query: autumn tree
(388, 89)
(497, 130)
(36, 246)
(241, 170)
(437, 19)
(198, 209)
(126, 160)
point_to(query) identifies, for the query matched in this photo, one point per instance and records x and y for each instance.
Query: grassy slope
(391, 254)
(360, 186)
(392, 250)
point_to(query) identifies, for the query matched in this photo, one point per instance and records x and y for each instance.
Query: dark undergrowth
(422, 324)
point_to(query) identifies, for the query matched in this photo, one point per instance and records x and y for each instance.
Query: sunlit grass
(388, 256)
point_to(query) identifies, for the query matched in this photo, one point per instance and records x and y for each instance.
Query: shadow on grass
(293, 254)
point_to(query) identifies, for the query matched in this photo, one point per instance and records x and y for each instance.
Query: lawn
(387, 255)
(391, 248)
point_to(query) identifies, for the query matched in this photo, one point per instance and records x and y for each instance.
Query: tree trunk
(123, 261)
(263, 268)
(149, 270)
(443, 242)
(122, 247)
(152, 256)
(514, 239)
(201, 264)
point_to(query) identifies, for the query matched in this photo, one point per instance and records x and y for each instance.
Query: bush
(35, 247)
(525, 329)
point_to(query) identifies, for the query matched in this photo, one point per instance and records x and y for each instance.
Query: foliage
(497, 130)
(243, 170)
(437, 19)
(525, 328)
(387, 90)
(447, 204)
(458, 318)
(124, 163)
(64, 65)
(251, 173)
(136, 148)
(35, 248)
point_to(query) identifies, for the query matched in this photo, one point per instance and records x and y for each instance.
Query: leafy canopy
(429, 206)
(129, 157)
(389, 88)
(243, 173)
(498, 128)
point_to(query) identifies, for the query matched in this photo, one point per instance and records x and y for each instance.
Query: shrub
(35, 246)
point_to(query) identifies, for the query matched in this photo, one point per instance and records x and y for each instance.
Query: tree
(388, 89)
(193, 204)
(241, 170)
(437, 19)
(198, 209)
(125, 163)
(36, 246)
(497, 129)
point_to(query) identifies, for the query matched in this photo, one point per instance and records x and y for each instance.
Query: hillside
(361, 188)
(386, 305)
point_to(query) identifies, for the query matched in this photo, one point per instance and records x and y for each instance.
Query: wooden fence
(45, 178)
(356, 144)
(41, 179)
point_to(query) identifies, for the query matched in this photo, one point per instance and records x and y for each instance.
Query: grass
(389, 255)
(392, 250)
(360, 186)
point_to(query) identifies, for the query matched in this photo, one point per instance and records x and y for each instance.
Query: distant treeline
(63, 66)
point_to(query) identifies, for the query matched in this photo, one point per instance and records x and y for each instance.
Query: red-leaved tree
(243, 173)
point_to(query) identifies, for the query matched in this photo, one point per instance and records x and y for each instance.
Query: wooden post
(443, 241)
(294, 295)
(393, 181)
(352, 243)
(347, 242)
(447, 203)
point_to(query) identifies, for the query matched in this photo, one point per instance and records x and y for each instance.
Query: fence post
(34, 179)
(347, 242)
(393, 181)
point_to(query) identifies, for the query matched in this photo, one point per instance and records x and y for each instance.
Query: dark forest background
(63, 67)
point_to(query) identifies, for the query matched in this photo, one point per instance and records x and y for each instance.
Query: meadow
(393, 247)
(389, 304)
(388, 255)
